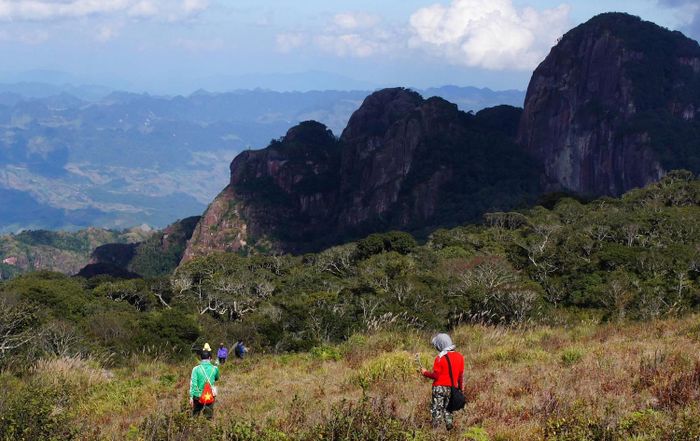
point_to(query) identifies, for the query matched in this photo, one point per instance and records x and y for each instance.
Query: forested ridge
(636, 257)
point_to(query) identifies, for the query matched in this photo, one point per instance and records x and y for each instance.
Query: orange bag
(208, 393)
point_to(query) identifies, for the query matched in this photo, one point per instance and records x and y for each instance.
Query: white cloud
(357, 34)
(343, 45)
(687, 15)
(356, 20)
(51, 9)
(106, 33)
(143, 9)
(491, 34)
(44, 10)
(289, 41)
(350, 34)
(190, 7)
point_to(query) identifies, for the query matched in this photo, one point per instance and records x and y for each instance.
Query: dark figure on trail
(202, 389)
(240, 350)
(222, 354)
(444, 379)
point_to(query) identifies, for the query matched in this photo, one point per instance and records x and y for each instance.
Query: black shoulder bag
(457, 399)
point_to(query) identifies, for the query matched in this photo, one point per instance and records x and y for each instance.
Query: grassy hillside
(581, 382)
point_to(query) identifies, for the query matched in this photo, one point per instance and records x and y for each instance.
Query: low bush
(571, 356)
(326, 353)
(367, 420)
(386, 368)
(31, 411)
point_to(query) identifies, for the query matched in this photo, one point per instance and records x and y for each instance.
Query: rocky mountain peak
(403, 162)
(309, 133)
(379, 111)
(612, 107)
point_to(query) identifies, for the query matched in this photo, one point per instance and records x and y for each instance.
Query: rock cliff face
(613, 106)
(403, 162)
(282, 195)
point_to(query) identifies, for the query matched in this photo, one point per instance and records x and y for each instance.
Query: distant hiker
(240, 350)
(205, 348)
(222, 354)
(202, 389)
(448, 373)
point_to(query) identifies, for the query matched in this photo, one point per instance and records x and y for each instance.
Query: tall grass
(636, 381)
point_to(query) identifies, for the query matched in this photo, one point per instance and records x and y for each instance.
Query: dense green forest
(637, 257)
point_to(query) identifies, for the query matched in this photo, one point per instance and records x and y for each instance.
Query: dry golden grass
(518, 381)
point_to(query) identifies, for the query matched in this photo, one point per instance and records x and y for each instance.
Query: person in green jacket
(200, 374)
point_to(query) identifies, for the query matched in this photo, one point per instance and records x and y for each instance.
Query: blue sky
(168, 46)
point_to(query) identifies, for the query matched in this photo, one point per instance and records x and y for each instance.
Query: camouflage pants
(438, 407)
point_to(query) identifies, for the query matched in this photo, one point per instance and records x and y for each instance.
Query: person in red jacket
(442, 382)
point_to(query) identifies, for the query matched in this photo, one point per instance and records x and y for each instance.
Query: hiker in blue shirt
(240, 350)
(222, 354)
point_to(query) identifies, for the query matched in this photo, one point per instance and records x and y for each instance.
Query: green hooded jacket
(199, 377)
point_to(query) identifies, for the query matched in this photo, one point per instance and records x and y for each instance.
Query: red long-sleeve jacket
(441, 374)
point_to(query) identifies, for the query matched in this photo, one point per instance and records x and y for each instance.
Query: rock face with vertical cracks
(613, 106)
(403, 162)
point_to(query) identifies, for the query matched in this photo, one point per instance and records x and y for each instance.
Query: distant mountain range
(78, 156)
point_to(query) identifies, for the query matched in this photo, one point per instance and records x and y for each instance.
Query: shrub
(476, 434)
(326, 353)
(577, 427)
(686, 425)
(30, 411)
(571, 356)
(181, 426)
(168, 329)
(678, 389)
(398, 241)
(391, 367)
(366, 420)
(644, 424)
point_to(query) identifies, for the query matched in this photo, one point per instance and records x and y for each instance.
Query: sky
(179, 46)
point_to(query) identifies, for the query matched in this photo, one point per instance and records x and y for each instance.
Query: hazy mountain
(300, 81)
(27, 89)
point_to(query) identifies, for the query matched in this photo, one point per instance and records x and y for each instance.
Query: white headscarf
(443, 343)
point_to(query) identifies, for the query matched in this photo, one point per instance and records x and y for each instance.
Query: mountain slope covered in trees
(636, 257)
